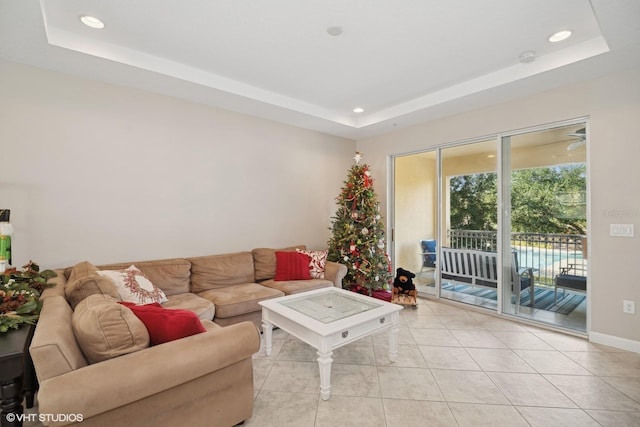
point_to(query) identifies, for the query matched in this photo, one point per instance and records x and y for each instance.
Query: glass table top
(329, 306)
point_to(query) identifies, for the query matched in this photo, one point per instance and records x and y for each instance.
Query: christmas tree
(358, 233)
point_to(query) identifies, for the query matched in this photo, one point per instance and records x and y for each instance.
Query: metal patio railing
(547, 254)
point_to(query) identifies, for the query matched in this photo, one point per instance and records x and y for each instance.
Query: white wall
(105, 173)
(613, 105)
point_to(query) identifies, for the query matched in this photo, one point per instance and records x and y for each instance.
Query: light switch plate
(621, 230)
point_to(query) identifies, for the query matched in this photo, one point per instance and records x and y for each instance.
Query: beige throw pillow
(84, 280)
(106, 329)
(81, 269)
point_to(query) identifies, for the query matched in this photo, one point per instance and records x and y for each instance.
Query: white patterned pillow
(317, 264)
(134, 286)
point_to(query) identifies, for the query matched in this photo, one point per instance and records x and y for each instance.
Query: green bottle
(5, 239)
(5, 249)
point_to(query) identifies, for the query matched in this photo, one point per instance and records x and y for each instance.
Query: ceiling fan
(581, 135)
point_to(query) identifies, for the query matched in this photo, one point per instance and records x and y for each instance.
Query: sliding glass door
(469, 213)
(545, 244)
(499, 222)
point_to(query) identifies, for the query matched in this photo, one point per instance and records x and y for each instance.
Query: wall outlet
(628, 307)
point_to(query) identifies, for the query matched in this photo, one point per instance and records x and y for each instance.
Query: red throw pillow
(166, 324)
(292, 266)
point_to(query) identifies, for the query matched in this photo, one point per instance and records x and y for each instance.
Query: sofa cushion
(294, 286)
(239, 299)
(203, 308)
(171, 275)
(219, 271)
(134, 286)
(264, 261)
(317, 263)
(106, 329)
(54, 348)
(84, 280)
(292, 266)
(166, 324)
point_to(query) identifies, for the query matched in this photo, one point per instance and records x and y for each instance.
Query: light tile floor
(455, 367)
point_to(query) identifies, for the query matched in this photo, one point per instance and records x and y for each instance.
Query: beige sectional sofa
(203, 379)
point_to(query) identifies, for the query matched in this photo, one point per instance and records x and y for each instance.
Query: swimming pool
(547, 263)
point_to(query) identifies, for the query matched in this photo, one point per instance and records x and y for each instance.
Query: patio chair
(565, 281)
(428, 254)
(521, 279)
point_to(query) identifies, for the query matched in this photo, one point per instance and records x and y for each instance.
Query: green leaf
(27, 307)
(48, 274)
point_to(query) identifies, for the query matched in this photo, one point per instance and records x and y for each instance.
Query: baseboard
(613, 341)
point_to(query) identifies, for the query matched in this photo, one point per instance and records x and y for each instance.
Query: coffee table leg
(267, 329)
(393, 337)
(324, 363)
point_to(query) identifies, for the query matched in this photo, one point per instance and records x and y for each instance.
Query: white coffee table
(327, 319)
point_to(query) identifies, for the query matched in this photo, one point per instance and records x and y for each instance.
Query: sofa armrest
(55, 285)
(113, 383)
(335, 272)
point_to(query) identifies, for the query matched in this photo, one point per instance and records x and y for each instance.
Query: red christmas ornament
(366, 178)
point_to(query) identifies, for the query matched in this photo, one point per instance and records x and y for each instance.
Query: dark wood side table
(17, 377)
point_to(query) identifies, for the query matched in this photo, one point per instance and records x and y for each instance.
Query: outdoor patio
(548, 255)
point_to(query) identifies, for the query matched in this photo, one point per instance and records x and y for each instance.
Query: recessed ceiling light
(334, 30)
(358, 110)
(92, 21)
(559, 36)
